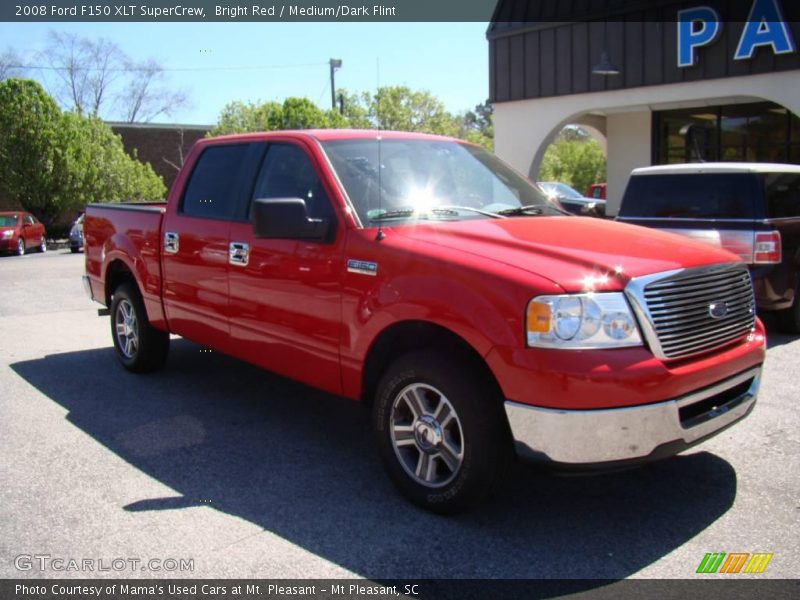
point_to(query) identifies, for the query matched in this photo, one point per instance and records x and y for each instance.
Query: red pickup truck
(423, 276)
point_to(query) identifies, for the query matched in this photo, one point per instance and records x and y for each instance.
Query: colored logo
(735, 562)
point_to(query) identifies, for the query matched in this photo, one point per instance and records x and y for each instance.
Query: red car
(597, 190)
(21, 231)
(424, 277)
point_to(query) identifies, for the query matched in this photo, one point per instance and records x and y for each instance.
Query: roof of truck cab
(717, 167)
(325, 135)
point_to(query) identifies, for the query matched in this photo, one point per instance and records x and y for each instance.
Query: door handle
(239, 254)
(171, 242)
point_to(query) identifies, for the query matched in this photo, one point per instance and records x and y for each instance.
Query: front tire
(20, 247)
(140, 347)
(43, 245)
(441, 432)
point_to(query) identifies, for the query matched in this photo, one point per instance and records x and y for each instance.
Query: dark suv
(751, 209)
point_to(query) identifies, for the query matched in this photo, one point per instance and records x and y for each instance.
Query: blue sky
(448, 59)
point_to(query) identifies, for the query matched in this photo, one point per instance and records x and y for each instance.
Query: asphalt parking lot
(252, 475)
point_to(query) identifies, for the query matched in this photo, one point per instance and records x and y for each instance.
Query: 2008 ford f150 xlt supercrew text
(423, 276)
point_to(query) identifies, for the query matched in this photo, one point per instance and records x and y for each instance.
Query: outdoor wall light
(605, 66)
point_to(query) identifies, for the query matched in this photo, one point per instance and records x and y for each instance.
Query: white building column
(629, 146)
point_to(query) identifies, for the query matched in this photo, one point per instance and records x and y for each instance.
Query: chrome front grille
(691, 311)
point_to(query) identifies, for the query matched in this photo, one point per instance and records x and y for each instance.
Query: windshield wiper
(526, 210)
(451, 209)
(399, 213)
(445, 210)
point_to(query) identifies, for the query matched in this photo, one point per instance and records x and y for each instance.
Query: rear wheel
(20, 247)
(441, 432)
(140, 347)
(74, 250)
(43, 245)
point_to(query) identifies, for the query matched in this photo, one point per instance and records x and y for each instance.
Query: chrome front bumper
(595, 437)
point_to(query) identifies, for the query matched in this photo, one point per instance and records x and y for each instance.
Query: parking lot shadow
(775, 334)
(301, 464)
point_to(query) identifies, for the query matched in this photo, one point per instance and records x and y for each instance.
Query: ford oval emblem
(718, 310)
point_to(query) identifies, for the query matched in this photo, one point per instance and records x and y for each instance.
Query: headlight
(581, 322)
(7, 234)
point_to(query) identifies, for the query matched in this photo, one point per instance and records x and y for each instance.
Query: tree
(95, 77)
(578, 163)
(294, 113)
(96, 168)
(29, 122)
(239, 117)
(302, 113)
(356, 109)
(83, 68)
(400, 108)
(144, 97)
(10, 64)
(54, 163)
(393, 107)
(477, 126)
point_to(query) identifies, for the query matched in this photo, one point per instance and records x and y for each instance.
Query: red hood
(567, 250)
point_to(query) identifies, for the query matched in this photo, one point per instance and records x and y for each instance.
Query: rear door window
(212, 191)
(783, 195)
(691, 196)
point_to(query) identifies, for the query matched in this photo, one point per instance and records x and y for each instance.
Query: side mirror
(286, 218)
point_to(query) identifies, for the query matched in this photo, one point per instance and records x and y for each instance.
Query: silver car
(76, 235)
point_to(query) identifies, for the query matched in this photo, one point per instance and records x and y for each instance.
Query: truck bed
(130, 233)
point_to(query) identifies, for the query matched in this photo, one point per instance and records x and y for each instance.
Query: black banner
(731, 588)
(505, 11)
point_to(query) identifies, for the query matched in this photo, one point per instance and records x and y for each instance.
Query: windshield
(8, 220)
(559, 189)
(430, 179)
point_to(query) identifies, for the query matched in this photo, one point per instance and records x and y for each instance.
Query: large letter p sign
(696, 27)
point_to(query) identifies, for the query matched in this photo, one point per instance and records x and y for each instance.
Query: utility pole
(335, 63)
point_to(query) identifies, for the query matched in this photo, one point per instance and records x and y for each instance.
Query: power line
(144, 69)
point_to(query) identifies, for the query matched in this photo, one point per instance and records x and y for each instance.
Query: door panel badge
(362, 267)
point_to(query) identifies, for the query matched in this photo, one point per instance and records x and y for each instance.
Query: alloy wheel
(426, 435)
(127, 329)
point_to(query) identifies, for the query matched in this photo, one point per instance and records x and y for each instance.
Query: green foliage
(394, 107)
(301, 113)
(104, 170)
(356, 108)
(401, 109)
(477, 126)
(294, 113)
(55, 163)
(576, 162)
(238, 117)
(29, 153)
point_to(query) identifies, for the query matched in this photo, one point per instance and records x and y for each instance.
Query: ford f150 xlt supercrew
(425, 277)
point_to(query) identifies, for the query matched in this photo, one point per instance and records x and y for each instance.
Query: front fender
(483, 313)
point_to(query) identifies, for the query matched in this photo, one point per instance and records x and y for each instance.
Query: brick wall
(163, 146)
